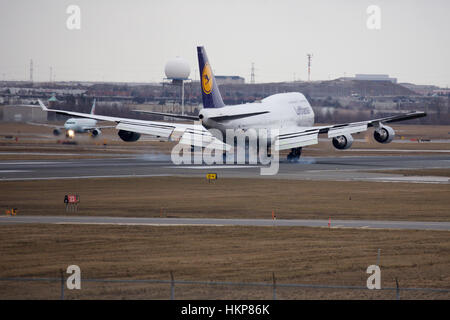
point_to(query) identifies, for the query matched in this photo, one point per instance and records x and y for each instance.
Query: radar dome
(177, 69)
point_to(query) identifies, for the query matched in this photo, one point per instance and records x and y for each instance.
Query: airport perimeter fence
(45, 288)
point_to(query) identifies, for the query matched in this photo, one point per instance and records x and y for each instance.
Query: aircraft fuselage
(80, 125)
(283, 110)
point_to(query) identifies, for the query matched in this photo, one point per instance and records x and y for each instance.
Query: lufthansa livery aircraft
(289, 113)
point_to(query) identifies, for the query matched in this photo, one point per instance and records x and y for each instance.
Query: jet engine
(56, 132)
(343, 142)
(384, 134)
(96, 133)
(129, 136)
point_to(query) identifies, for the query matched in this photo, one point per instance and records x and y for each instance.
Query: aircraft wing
(295, 137)
(215, 118)
(180, 116)
(188, 134)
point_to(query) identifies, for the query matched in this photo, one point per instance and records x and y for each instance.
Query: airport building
(19, 113)
(229, 80)
(371, 77)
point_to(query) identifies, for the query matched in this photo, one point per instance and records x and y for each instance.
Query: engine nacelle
(56, 132)
(384, 134)
(129, 136)
(343, 142)
(96, 133)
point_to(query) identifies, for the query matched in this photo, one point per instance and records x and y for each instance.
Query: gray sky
(132, 40)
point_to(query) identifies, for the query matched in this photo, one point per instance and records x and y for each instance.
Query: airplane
(289, 113)
(78, 125)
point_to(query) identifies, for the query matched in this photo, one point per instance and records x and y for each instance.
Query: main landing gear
(294, 155)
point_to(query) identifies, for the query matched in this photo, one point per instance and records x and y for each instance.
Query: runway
(354, 224)
(358, 168)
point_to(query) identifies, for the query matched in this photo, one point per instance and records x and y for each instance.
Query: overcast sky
(130, 41)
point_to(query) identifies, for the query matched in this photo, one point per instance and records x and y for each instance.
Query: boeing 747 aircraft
(289, 113)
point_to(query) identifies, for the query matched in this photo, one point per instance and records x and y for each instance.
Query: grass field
(247, 254)
(245, 198)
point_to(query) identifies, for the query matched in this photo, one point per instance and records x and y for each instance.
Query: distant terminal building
(229, 80)
(52, 102)
(441, 91)
(371, 77)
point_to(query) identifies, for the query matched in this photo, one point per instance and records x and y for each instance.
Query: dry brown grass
(249, 254)
(232, 198)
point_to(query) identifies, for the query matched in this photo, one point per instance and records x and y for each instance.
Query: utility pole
(309, 56)
(31, 70)
(182, 97)
(252, 76)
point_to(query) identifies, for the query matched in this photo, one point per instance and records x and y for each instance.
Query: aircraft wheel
(294, 155)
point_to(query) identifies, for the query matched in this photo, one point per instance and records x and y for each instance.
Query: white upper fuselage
(80, 125)
(285, 110)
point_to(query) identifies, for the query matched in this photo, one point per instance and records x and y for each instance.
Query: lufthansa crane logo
(207, 80)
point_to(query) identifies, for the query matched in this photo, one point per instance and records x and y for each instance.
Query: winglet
(93, 107)
(42, 105)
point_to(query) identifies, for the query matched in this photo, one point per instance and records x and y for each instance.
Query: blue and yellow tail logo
(207, 79)
(210, 91)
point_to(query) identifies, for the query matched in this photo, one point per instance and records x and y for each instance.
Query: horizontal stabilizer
(236, 116)
(173, 115)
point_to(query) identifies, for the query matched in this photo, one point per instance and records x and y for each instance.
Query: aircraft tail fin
(93, 107)
(210, 91)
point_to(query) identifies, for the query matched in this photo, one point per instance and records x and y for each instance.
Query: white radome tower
(178, 70)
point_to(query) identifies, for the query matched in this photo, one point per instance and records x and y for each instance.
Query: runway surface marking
(414, 179)
(139, 224)
(41, 153)
(34, 162)
(355, 224)
(399, 150)
(215, 167)
(87, 177)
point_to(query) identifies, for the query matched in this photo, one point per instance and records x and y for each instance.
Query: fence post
(274, 281)
(397, 289)
(172, 286)
(62, 284)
